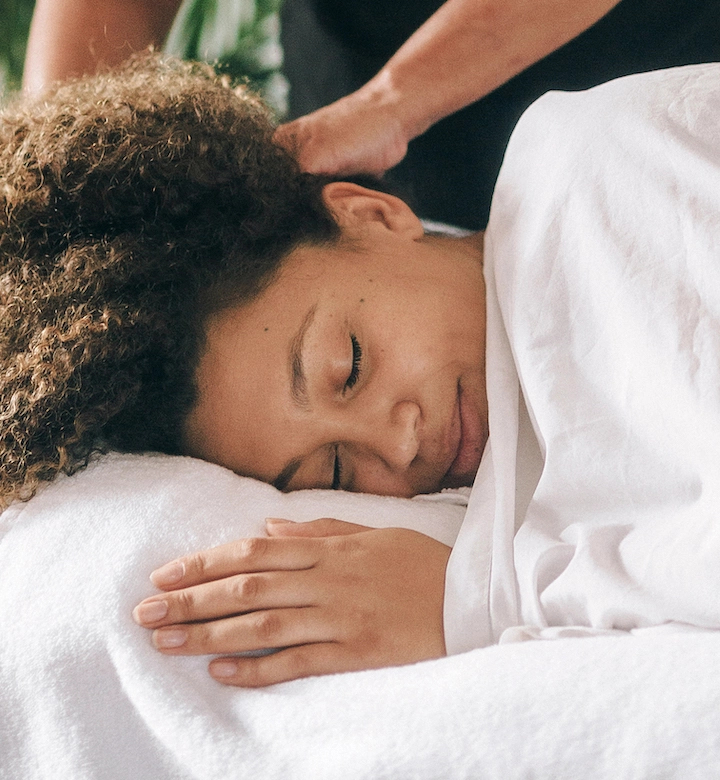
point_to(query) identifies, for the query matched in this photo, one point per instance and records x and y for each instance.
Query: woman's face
(360, 368)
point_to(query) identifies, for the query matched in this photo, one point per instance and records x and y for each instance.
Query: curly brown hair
(132, 205)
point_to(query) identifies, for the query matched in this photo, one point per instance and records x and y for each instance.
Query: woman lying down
(172, 282)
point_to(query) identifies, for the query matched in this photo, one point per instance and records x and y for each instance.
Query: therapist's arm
(464, 51)
(74, 37)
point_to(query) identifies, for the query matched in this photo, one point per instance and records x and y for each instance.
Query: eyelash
(356, 363)
(349, 384)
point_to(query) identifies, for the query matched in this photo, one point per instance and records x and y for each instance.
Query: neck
(467, 246)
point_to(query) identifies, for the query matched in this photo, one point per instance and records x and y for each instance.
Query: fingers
(355, 599)
(242, 633)
(353, 135)
(300, 138)
(290, 664)
(286, 135)
(325, 526)
(228, 596)
(249, 555)
(254, 554)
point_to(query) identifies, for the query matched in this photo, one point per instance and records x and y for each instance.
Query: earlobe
(355, 207)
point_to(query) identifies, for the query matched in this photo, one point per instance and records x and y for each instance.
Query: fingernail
(169, 637)
(277, 520)
(168, 574)
(150, 612)
(223, 668)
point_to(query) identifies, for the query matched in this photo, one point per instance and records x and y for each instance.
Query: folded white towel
(85, 695)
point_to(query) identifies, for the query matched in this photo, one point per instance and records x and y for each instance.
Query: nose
(396, 439)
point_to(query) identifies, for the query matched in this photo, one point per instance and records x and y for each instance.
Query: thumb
(325, 526)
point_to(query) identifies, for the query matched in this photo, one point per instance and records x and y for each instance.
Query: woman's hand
(360, 133)
(333, 596)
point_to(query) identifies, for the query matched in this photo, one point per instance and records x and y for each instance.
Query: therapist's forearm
(73, 37)
(470, 47)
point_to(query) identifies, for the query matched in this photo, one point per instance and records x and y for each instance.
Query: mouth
(469, 446)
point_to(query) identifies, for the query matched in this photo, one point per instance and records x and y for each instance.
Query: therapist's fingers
(243, 556)
(227, 596)
(360, 133)
(242, 633)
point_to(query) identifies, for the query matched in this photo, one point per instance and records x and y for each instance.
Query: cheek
(436, 338)
(369, 477)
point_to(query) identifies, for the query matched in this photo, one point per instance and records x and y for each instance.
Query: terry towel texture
(86, 697)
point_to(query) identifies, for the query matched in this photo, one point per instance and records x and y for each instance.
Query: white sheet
(85, 696)
(603, 272)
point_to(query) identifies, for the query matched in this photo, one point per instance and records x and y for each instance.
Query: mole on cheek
(265, 330)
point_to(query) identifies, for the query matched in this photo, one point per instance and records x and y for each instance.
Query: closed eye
(350, 382)
(356, 364)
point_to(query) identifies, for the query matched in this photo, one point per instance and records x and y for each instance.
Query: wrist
(400, 106)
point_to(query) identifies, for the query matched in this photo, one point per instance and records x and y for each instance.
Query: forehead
(307, 274)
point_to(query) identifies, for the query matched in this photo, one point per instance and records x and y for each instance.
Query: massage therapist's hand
(464, 51)
(335, 596)
(360, 133)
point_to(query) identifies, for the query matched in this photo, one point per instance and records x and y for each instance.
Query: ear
(357, 207)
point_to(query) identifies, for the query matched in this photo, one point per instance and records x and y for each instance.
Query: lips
(470, 443)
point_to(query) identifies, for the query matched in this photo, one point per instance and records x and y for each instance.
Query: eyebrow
(298, 391)
(298, 382)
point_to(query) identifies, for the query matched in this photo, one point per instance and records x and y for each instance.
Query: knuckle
(195, 565)
(299, 663)
(251, 674)
(198, 639)
(348, 550)
(348, 546)
(291, 664)
(254, 547)
(184, 603)
(279, 667)
(245, 589)
(267, 627)
(202, 637)
(360, 626)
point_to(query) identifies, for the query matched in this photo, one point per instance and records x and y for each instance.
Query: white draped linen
(85, 696)
(597, 504)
